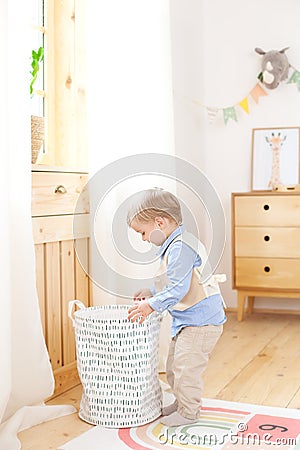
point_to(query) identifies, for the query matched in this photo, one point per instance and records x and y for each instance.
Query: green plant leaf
(40, 53)
(36, 57)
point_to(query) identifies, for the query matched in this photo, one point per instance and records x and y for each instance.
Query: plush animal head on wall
(274, 67)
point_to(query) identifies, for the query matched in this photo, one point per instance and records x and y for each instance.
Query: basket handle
(70, 308)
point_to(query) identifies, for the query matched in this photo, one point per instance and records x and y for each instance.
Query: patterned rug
(222, 426)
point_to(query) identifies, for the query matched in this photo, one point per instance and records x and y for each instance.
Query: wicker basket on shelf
(37, 136)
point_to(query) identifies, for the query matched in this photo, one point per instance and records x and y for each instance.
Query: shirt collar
(179, 230)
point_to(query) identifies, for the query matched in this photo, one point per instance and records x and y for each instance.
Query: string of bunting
(230, 112)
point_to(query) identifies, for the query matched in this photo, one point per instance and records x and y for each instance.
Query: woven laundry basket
(117, 363)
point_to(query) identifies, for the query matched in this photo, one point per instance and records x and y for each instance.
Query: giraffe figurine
(275, 143)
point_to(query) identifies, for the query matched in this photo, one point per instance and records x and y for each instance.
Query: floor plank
(239, 344)
(295, 401)
(255, 361)
(271, 377)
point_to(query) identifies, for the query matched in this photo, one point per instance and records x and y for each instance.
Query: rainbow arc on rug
(219, 428)
(212, 428)
(222, 426)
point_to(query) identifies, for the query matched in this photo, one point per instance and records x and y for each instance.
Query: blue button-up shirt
(181, 261)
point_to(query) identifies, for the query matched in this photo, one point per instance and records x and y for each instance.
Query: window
(60, 90)
(37, 87)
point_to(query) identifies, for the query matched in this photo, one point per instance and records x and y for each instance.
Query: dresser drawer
(267, 210)
(280, 242)
(58, 193)
(268, 273)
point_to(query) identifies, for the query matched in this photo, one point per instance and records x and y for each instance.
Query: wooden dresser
(59, 273)
(265, 246)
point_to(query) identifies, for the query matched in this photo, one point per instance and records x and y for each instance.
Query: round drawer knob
(267, 269)
(266, 207)
(267, 238)
(60, 189)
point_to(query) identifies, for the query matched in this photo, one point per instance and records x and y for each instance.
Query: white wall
(214, 63)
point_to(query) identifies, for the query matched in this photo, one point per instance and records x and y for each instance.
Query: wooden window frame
(65, 84)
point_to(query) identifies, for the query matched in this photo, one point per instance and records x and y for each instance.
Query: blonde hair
(153, 203)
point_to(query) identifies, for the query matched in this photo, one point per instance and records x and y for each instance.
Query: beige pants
(187, 359)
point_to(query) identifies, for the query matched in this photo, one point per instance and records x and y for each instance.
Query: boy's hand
(139, 311)
(142, 294)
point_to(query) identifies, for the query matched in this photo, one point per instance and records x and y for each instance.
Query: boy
(196, 307)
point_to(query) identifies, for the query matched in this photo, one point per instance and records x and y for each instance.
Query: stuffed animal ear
(284, 49)
(259, 51)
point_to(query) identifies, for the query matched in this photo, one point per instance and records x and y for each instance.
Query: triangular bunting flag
(257, 92)
(244, 105)
(229, 113)
(212, 112)
(295, 78)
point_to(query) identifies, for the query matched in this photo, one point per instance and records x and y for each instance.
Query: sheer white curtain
(130, 102)
(129, 88)
(25, 377)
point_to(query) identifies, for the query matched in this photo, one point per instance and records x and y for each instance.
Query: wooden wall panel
(53, 303)
(40, 282)
(68, 293)
(61, 278)
(81, 277)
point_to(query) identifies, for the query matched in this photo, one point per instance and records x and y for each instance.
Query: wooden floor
(255, 361)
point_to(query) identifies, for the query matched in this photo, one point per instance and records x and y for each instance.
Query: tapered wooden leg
(240, 306)
(250, 304)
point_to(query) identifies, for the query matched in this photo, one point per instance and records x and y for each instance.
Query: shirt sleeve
(181, 261)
